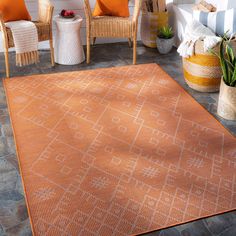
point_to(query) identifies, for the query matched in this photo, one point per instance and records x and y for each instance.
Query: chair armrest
(2, 24)
(45, 11)
(137, 9)
(88, 12)
(87, 9)
(176, 2)
(4, 32)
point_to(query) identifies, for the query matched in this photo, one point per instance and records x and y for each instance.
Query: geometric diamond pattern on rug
(117, 151)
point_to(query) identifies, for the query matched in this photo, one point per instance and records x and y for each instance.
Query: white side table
(68, 44)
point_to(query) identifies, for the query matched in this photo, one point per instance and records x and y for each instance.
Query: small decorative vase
(227, 102)
(164, 46)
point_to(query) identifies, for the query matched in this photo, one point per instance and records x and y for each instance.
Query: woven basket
(202, 72)
(150, 24)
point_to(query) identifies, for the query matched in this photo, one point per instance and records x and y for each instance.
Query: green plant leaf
(230, 53)
(223, 63)
(227, 59)
(233, 81)
(231, 66)
(166, 32)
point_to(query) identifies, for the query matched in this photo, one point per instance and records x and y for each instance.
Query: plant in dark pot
(227, 97)
(165, 39)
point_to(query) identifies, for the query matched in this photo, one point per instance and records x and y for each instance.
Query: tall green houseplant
(228, 62)
(227, 97)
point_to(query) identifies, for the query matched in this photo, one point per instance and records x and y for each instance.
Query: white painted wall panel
(75, 5)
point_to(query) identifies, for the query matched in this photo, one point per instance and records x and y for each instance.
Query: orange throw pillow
(112, 8)
(13, 10)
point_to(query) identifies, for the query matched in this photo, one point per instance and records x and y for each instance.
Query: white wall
(75, 5)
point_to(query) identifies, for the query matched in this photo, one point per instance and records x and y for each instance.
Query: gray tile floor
(13, 213)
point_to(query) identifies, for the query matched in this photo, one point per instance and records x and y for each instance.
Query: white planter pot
(164, 46)
(227, 102)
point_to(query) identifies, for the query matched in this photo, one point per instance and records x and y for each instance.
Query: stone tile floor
(13, 213)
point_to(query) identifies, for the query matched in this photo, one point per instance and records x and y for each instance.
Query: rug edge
(184, 222)
(83, 69)
(234, 136)
(18, 157)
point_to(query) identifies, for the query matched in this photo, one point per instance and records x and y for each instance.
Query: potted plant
(227, 98)
(165, 39)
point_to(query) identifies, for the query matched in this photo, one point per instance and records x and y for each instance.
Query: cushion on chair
(13, 10)
(111, 8)
(220, 22)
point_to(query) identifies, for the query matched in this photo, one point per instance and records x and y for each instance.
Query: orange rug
(117, 151)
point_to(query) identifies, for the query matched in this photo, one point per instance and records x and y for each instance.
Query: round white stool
(68, 45)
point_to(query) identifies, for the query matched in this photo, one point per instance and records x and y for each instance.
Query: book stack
(204, 6)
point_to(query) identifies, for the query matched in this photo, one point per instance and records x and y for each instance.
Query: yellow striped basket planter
(151, 22)
(202, 72)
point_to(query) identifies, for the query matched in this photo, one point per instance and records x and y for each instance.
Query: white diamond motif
(150, 172)
(100, 182)
(44, 194)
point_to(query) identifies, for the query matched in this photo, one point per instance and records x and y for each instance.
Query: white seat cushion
(220, 22)
(182, 15)
(186, 8)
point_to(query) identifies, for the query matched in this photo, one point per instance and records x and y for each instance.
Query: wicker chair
(110, 26)
(44, 28)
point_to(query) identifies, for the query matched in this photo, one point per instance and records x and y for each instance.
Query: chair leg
(7, 63)
(88, 49)
(130, 42)
(134, 51)
(52, 52)
(94, 40)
